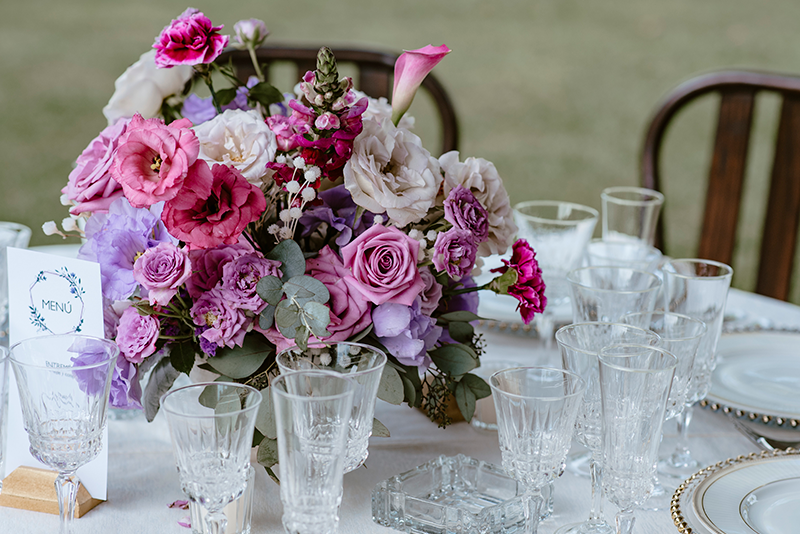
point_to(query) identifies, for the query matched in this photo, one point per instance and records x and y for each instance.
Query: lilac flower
(226, 324)
(339, 212)
(406, 332)
(90, 353)
(126, 392)
(240, 278)
(454, 252)
(464, 211)
(200, 110)
(116, 238)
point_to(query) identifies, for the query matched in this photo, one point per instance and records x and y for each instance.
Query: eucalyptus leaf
(241, 362)
(318, 318)
(267, 317)
(302, 289)
(161, 379)
(181, 355)
(391, 387)
(454, 359)
(409, 391)
(465, 399)
(379, 430)
(265, 419)
(460, 316)
(270, 288)
(287, 315)
(301, 338)
(267, 454)
(461, 332)
(478, 385)
(288, 252)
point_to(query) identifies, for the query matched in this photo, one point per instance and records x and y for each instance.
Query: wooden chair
(738, 90)
(375, 77)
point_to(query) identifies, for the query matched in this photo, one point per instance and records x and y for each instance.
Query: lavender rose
(137, 335)
(208, 264)
(431, 293)
(225, 324)
(126, 392)
(462, 210)
(240, 278)
(383, 261)
(161, 270)
(406, 332)
(454, 252)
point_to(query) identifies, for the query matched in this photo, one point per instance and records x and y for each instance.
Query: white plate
(773, 507)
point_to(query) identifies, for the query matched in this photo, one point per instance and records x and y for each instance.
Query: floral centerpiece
(230, 227)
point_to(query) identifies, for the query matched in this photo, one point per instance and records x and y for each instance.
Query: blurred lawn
(556, 93)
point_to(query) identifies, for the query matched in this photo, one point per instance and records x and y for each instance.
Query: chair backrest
(375, 77)
(738, 90)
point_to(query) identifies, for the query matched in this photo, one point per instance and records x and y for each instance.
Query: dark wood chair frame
(375, 72)
(738, 90)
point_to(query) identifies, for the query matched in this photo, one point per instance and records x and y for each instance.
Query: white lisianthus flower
(380, 109)
(142, 88)
(391, 172)
(240, 139)
(480, 177)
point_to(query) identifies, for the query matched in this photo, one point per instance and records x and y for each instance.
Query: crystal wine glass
(608, 293)
(536, 409)
(211, 425)
(630, 213)
(64, 382)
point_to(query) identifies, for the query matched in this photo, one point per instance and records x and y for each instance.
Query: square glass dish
(451, 495)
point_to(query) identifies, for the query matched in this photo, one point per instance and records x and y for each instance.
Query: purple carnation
(226, 324)
(454, 252)
(208, 264)
(464, 211)
(406, 332)
(240, 278)
(126, 392)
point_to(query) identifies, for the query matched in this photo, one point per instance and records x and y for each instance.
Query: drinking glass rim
(113, 345)
(331, 374)
(357, 373)
(593, 213)
(4, 354)
(673, 360)
(724, 266)
(608, 193)
(703, 329)
(603, 323)
(625, 291)
(251, 389)
(638, 244)
(580, 386)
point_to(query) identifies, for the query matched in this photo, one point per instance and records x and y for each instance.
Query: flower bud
(250, 32)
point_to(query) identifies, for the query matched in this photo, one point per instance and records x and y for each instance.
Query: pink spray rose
(137, 335)
(90, 182)
(221, 323)
(454, 252)
(529, 287)
(214, 206)
(409, 70)
(190, 39)
(431, 293)
(240, 278)
(161, 270)
(383, 261)
(153, 159)
(208, 263)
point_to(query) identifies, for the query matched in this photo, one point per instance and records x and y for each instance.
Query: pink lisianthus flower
(240, 278)
(161, 270)
(208, 264)
(409, 70)
(528, 288)
(214, 206)
(383, 261)
(190, 39)
(221, 323)
(137, 335)
(153, 158)
(90, 182)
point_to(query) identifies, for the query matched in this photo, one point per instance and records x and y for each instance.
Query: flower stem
(254, 59)
(205, 72)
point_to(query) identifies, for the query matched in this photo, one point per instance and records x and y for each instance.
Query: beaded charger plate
(754, 494)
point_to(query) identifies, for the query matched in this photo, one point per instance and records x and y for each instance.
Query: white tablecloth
(143, 479)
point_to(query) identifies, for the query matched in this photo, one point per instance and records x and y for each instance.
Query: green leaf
(454, 359)
(477, 384)
(265, 419)
(241, 362)
(226, 96)
(318, 318)
(287, 317)
(161, 379)
(228, 403)
(302, 289)
(267, 454)
(391, 386)
(379, 430)
(301, 338)
(461, 332)
(409, 391)
(459, 316)
(270, 288)
(181, 356)
(501, 284)
(465, 399)
(267, 317)
(265, 94)
(293, 263)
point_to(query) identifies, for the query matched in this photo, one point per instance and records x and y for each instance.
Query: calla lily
(410, 69)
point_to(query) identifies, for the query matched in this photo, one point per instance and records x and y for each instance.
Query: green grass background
(557, 93)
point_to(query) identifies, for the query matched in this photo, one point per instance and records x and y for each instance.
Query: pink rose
(349, 312)
(137, 335)
(153, 159)
(161, 270)
(208, 264)
(221, 324)
(214, 206)
(90, 182)
(190, 39)
(383, 261)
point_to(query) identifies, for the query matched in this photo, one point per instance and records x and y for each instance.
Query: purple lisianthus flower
(161, 270)
(339, 211)
(431, 293)
(226, 324)
(137, 335)
(240, 278)
(406, 332)
(93, 356)
(126, 391)
(116, 238)
(454, 252)
(200, 110)
(464, 211)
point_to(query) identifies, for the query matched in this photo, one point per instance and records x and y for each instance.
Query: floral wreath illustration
(75, 289)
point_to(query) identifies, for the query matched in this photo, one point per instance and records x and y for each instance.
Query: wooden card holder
(31, 488)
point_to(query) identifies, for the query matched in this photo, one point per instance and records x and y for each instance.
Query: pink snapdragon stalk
(409, 71)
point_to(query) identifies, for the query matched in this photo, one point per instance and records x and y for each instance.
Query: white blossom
(286, 233)
(69, 224)
(299, 162)
(50, 228)
(308, 194)
(285, 216)
(295, 213)
(292, 187)
(273, 229)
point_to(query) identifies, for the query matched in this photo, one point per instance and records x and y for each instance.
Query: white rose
(391, 172)
(142, 88)
(240, 139)
(480, 177)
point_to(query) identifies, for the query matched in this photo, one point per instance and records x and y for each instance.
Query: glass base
(659, 499)
(586, 528)
(682, 470)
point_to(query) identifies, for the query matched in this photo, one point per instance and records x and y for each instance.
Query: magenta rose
(137, 335)
(431, 293)
(90, 182)
(221, 323)
(153, 159)
(207, 264)
(454, 252)
(464, 211)
(349, 312)
(383, 261)
(190, 39)
(214, 206)
(161, 270)
(240, 278)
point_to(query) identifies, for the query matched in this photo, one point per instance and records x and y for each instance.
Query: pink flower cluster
(529, 287)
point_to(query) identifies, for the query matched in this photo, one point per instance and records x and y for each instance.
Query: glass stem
(544, 326)
(67, 490)
(533, 505)
(216, 522)
(596, 511)
(681, 456)
(625, 519)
